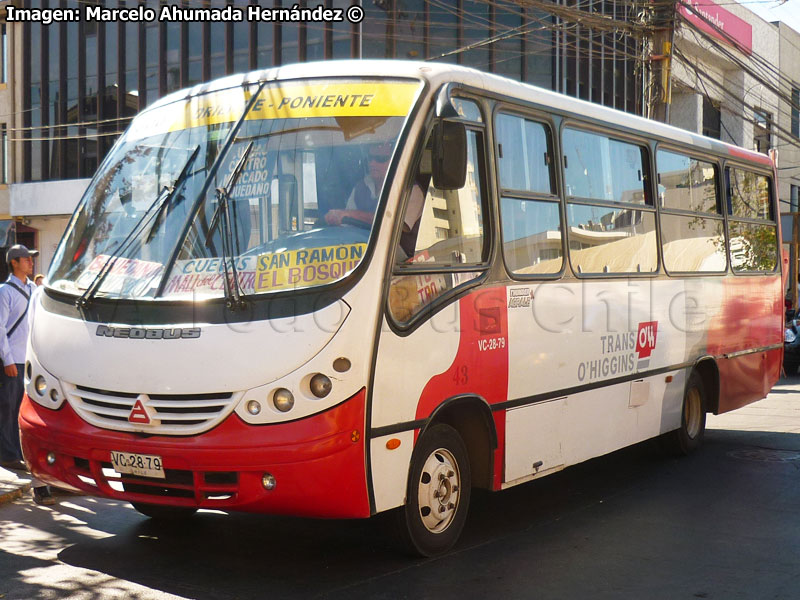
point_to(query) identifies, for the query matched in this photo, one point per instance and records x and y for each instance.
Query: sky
(787, 11)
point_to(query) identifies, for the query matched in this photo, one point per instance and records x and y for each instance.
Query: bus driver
(363, 199)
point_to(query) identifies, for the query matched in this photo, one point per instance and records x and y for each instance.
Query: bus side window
(529, 209)
(611, 222)
(751, 222)
(440, 228)
(692, 228)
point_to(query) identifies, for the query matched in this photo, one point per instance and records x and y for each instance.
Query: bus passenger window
(753, 232)
(597, 167)
(525, 155)
(692, 228)
(531, 226)
(531, 236)
(686, 183)
(611, 221)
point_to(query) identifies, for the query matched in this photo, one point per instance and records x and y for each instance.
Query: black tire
(437, 495)
(790, 367)
(164, 513)
(689, 436)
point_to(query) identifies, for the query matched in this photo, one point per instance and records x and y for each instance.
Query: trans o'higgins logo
(622, 353)
(646, 342)
(143, 333)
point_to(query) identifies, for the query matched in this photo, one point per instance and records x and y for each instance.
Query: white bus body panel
(244, 355)
(404, 367)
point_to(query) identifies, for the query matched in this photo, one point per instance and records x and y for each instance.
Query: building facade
(74, 86)
(788, 147)
(79, 83)
(714, 91)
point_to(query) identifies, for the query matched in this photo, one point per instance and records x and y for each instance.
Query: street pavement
(723, 523)
(13, 484)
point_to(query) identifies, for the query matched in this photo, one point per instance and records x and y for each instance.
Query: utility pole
(662, 19)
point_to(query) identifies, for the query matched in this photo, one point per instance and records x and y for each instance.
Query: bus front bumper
(317, 463)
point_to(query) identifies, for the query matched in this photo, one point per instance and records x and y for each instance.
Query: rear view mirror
(449, 166)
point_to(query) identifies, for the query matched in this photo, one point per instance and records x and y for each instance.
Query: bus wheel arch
(689, 435)
(708, 371)
(472, 419)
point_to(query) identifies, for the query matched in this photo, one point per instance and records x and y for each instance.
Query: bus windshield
(186, 200)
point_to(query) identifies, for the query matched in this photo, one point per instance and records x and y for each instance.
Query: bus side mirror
(449, 168)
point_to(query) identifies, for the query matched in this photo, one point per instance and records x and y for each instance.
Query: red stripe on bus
(749, 155)
(480, 367)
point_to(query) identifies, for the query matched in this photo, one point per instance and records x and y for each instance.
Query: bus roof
(438, 74)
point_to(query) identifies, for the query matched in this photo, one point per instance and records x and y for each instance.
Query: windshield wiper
(222, 214)
(152, 212)
(178, 182)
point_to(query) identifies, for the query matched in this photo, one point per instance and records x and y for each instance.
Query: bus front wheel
(689, 436)
(438, 493)
(164, 513)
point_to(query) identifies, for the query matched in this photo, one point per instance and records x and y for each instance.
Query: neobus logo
(139, 414)
(143, 333)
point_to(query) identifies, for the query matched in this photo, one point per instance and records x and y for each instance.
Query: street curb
(14, 494)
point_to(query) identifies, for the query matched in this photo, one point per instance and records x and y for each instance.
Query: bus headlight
(40, 385)
(320, 385)
(283, 399)
(253, 407)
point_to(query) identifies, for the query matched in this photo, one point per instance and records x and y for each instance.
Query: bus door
(429, 348)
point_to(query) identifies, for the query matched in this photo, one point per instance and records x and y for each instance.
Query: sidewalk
(13, 484)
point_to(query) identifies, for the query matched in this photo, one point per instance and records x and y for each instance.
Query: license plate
(145, 465)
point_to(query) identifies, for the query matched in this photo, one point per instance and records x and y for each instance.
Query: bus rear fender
(707, 368)
(472, 418)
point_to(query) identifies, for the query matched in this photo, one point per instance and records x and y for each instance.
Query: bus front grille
(162, 414)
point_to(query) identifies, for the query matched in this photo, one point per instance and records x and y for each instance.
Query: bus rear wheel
(689, 436)
(437, 495)
(164, 513)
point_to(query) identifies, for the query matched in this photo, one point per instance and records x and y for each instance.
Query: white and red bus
(343, 288)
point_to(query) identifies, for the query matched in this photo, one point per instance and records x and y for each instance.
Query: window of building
(610, 218)
(3, 153)
(795, 109)
(753, 232)
(794, 198)
(692, 226)
(712, 118)
(4, 51)
(762, 130)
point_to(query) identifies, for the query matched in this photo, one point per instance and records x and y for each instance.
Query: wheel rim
(693, 413)
(439, 490)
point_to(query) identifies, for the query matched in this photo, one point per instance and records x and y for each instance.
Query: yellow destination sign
(224, 106)
(333, 99)
(307, 267)
(288, 101)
